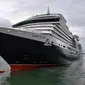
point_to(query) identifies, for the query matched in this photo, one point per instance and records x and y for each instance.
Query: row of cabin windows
(62, 29)
(42, 62)
(51, 21)
(68, 48)
(67, 43)
(74, 53)
(62, 45)
(58, 30)
(72, 48)
(62, 37)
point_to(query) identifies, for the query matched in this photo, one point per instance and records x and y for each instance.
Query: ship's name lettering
(37, 36)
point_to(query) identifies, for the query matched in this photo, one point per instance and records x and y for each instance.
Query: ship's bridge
(51, 18)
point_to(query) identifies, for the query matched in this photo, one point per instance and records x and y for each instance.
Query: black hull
(18, 50)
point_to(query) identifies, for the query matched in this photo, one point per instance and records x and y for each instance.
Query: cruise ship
(41, 40)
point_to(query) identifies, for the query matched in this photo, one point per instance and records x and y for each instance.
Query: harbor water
(73, 74)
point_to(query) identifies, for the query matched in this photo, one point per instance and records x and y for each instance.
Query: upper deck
(42, 18)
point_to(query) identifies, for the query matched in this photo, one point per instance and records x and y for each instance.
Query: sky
(13, 11)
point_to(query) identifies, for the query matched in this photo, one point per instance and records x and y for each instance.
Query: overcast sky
(72, 10)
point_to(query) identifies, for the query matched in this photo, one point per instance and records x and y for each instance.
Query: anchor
(48, 43)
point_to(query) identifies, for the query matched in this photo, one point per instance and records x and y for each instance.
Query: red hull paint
(2, 72)
(26, 67)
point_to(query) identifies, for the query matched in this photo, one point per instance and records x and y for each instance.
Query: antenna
(48, 11)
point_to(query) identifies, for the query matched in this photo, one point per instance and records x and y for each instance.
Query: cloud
(73, 11)
(17, 10)
(78, 31)
(5, 23)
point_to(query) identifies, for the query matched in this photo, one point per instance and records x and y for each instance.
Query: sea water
(73, 74)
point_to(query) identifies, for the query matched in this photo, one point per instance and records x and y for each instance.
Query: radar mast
(48, 11)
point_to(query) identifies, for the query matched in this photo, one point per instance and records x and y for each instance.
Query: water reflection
(4, 78)
(73, 74)
(4, 72)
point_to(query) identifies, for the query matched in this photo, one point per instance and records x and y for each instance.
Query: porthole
(45, 61)
(34, 61)
(17, 62)
(71, 53)
(40, 61)
(8, 30)
(64, 46)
